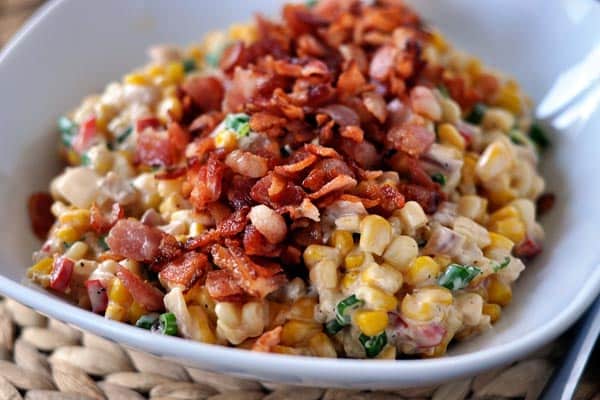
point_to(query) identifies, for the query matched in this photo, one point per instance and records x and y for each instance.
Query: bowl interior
(70, 53)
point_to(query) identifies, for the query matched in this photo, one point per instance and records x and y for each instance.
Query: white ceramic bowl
(72, 48)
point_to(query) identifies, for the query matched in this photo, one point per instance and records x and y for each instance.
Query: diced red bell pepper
(146, 122)
(87, 132)
(97, 294)
(62, 271)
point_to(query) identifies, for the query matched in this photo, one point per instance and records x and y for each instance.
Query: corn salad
(340, 185)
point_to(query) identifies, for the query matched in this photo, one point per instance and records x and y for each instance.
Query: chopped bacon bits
(183, 271)
(39, 213)
(102, 221)
(142, 292)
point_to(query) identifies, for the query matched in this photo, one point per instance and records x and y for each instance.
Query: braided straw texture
(46, 359)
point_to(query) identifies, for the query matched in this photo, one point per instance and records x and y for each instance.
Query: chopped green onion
(517, 137)
(167, 324)
(147, 321)
(189, 65)
(311, 3)
(439, 178)
(537, 134)
(373, 344)
(102, 243)
(123, 136)
(239, 123)
(66, 245)
(213, 58)
(332, 327)
(458, 276)
(344, 306)
(477, 113)
(84, 159)
(68, 130)
(502, 265)
(444, 91)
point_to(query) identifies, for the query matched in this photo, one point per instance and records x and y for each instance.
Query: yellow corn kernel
(375, 234)
(435, 294)
(473, 207)
(155, 70)
(416, 309)
(388, 353)
(495, 160)
(119, 294)
(377, 299)
(73, 158)
(316, 252)
(174, 72)
(77, 251)
(342, 240)
(303, 309)
(244, 32)
(115, 312)
(474, 67)
(412, 216)
(324, 275)
(509, 98)
(135, 79)
(493, 311)
(439, 42)
(449, 135)
(513, 228)
(297, 332)
(78, 218)
(68, 234)
(201, 325)
(171, 204)
(498, 292)
(371, 323)
(384, 277)
(134, 312)
(170, 109)
(195, 52)
(354, 260)
(226, 139)
(498, 241)
(42, 267)
(401, 252)
(286, 350)
(321, 346)
(196, 228)
(349, 279)
(504, 213)
(423, 268)
(442, 261)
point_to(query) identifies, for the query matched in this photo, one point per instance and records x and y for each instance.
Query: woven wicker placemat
(41, 358)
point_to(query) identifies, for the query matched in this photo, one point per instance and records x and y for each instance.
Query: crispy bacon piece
(545, 203)
(85, 136)
(256, 244)
(206, 181)
(290, 170)
(528, 248)
(339, 183)
(142, 292)
(223, 286)
(268, 340)
(102, 221)
(234, 223)
(203, 241)
(256, 280)
(207, 92)
(324, 172)
(155, 148)
(428, 199)
(40, 216)
(341, 114)
(322, 151)
(171, 173)
(183, 271)
(411, 139)
(132, 239)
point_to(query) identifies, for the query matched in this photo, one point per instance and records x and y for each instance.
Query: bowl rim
(403, 372)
